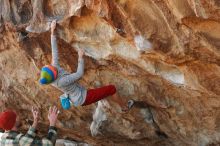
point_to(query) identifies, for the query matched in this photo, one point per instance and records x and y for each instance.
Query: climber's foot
(129, 106)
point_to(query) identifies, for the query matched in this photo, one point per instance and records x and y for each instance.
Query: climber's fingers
(53, 24)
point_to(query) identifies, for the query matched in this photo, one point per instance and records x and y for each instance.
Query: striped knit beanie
(48, 74)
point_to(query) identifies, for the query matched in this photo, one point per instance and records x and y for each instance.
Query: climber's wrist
(52, 32)
(80, 58)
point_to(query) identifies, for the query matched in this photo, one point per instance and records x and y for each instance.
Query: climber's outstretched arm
(68, 79)
(55, 57)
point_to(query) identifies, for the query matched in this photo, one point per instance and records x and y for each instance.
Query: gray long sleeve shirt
(66, 81)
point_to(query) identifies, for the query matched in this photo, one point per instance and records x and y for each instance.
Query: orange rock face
(157, 52)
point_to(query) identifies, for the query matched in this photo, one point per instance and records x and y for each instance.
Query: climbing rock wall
(157, 52)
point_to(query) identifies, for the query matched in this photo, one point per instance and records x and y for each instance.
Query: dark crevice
(144, 105)
(12, 15)
(158, 131)
(25, 12)
(161, 134)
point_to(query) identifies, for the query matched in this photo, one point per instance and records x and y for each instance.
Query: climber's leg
(94, 95)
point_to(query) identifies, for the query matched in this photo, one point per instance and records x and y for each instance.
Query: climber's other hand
(53, 25)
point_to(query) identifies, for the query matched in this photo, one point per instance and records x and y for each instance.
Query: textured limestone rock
(154, 51)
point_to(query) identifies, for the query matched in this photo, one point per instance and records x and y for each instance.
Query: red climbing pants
(94, 95)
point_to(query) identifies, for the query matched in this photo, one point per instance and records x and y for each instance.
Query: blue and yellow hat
(48, 74)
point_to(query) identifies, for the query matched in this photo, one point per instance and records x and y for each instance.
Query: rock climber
(74, 93)
(10, 123)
